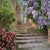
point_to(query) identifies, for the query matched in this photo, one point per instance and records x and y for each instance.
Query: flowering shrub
(40, 10)
(7, 39)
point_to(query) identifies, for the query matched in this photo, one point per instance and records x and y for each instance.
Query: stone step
(31, 41)
(27, 33)
(37, 37)
(34, 48)
(21, 35)
(30, 38)
(35, 40)
(32, 45)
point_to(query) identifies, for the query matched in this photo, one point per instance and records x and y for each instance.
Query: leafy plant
(6, 14)
(19, 22)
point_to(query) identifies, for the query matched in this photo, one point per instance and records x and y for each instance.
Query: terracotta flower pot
(48, 35)
(29, 20)
(34, 25)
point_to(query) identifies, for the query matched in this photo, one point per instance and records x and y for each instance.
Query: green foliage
(48, 26)
(30, 16)
(4, 3)
(19, 22)
(35, 21)
(25, 0)
(6, 14)
(30, 5)
(44, 30)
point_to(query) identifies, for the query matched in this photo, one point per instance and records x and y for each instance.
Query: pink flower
(0, 42)
(8, 49)
(13, 47)
(3, 30)
(3, 44)
(17, 45)
(0, 47)
(9, 41)
(0, 33)
(0, 27)
(4, 48)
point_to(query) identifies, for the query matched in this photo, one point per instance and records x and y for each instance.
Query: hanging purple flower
(35, 4)
(31, 1)
(49, 6)
(30, 8)
(49, 17)
(25, 3)
(49, 2)
(35, 14)
(48, 13)
(37, 18)
(48, 23)
(42, 8)
(42, 21)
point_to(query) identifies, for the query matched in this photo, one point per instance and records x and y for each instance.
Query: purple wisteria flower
(42, 8)
(42, 21)
(30, 8)
(48, 23)
(25, 12)
(37, 18)
(49, 6)
(41, 18)
(49, 17)
(35, 4)
(48, 13)
(25, 3)
(31, 1)
(43, 15)
(35, 14)
(44, 4)
(40, 24)
(49, 2)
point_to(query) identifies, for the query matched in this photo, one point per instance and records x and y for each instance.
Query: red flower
(13, 47)
(8, 49)
(4, 48)
(0, 47)
(0, 42)
(3, 44)
(3, 30)
(7, 39)
(0, 27)
(17, 45)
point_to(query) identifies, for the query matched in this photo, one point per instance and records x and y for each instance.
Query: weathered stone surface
(31, 38)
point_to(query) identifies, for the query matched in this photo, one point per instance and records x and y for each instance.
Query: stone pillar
(25, 18)
(48, 35)
(22, 17)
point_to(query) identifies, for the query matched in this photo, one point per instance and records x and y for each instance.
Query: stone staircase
(23, 28)
(31, 39)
